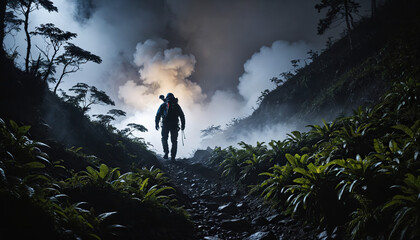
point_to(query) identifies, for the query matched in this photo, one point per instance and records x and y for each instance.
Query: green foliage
(145, 185)
(309, 195)
(218, 156)
(354, 172)
(232, 164)
(101, 176)
(407, 209)
(273, 186)
(27, 174)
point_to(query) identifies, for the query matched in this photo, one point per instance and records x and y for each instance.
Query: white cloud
(267, 63)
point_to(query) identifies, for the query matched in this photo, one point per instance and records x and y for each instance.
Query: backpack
(169, 110)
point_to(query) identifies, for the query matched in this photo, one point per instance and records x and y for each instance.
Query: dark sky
(221, 34)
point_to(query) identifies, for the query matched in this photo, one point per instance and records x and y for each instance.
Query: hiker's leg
(165, 133)
(174, 140)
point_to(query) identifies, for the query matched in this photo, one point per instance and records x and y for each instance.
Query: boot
(165, 156)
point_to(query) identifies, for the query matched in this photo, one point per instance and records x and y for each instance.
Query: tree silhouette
(210, 131)
(25, 7)
(337, 11)
(105, 119)
(11, 23)
(137, 127)
(72, 58)
(131, 127)
(3, 5)
(117, 113)
(86, 96)
(54, 38)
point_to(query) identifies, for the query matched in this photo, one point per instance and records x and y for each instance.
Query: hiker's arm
(182, 117)
(157, 118)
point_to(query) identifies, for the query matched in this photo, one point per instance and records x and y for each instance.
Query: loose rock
(229, 208)
(237, 225)
(262, 236)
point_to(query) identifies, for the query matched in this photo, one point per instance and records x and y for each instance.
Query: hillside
(28, 101)
(386, 49)
(63, 176)
(353, 176)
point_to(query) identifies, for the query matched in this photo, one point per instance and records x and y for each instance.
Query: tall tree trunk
(28, 37)
(347, 16)
(61, 78)
(373, 7)
(3, 4)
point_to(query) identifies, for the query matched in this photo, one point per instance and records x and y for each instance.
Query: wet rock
(260, 221)
(212, 238)
(237, 225)
(286, 222)
(274, 218)
(323, 235)
(229, 208)
(262, 236)
(206, 192)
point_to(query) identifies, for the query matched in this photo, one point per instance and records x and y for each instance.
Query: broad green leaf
(266, 174)
(14, 125)
(144, 184)
(32, 165)
(163, 189)
(2, 174)
(405, 129)
(352, 185)
(92, 171)
(291, 159)
(105, 215)
(103, 171)
(312, 168)
(301, 171)
(41, 144)
(301, 181)
(340, 193)
(43, 160)
(378, 145)
(393, 146)
(23, 129)
(95, 236)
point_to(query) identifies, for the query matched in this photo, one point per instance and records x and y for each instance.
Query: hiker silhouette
(170, 111)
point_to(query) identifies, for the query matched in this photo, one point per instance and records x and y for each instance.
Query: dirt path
(219, 211)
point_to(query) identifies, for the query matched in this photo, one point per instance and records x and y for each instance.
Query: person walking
(170, 112)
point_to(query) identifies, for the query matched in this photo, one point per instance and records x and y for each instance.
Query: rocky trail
(220, 211)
